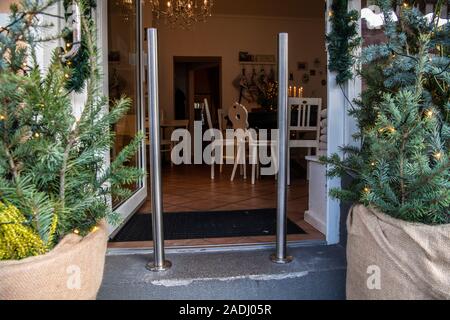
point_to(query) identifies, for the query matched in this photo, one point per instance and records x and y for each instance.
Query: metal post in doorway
(281, 256)
(159, 263)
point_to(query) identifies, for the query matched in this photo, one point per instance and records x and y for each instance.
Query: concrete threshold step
(317, 272)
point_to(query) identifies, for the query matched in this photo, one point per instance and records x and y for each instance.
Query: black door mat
(200, 225)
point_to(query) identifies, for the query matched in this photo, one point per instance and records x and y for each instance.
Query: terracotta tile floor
(190, 188)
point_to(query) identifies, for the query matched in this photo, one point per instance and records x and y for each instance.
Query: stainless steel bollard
(281, 256)
(159, 263)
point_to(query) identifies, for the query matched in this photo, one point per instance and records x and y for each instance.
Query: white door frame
(340, 130)
(130, 206)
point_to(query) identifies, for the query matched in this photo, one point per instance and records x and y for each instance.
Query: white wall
(225, 35)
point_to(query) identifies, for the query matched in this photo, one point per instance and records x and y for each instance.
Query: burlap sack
(394, 259)
(73, 270)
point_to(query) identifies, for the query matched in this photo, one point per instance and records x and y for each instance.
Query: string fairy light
(438, 155)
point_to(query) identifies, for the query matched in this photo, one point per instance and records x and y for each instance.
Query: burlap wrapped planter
(394, 259)
(73, 270)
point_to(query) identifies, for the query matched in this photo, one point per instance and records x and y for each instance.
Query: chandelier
(183, 13)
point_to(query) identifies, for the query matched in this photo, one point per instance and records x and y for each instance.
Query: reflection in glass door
(125, 78)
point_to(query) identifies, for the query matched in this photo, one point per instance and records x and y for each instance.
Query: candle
(295, 92)
(290, 91)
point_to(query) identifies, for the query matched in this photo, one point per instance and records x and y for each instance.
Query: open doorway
(221, 60)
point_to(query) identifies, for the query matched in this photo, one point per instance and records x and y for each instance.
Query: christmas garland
(342, 40)
(78, 64)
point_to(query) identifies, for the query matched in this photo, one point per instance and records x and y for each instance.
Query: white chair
(304, 117)
(238, 115)
(217, 140)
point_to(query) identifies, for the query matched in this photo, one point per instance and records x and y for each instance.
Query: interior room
(208, 70)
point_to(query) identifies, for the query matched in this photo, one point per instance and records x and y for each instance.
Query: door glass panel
(123, 67)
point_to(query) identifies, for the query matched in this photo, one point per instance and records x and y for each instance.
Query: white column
(340, 130)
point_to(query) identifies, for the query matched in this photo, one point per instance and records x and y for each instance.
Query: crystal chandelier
(182, 13)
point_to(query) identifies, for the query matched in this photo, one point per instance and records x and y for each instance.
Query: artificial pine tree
(52, 165)
(402, 166)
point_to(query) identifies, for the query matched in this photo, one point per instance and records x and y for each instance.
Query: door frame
(190, 95)
(131, 205)
(340, 131)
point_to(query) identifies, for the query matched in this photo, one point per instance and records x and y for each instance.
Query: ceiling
(271, 8)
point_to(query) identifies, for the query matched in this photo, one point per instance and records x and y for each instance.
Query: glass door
(125, 78)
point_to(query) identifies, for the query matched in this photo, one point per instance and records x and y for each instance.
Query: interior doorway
(196, 79)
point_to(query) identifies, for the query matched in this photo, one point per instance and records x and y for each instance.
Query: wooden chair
(166, 144)
(304, 118)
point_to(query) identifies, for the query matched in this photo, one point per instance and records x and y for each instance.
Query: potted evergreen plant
(54, 187)
(398, 230)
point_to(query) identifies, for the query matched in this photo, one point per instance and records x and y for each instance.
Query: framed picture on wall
(245, 56)
(302, 65)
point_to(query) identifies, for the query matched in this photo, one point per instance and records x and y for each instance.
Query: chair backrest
(208, 114)
(305, 114)
(238, 115)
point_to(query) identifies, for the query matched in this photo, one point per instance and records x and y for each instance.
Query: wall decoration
(312, 72)
(317, 62)
(265, 58)
(305, 78)
(262, 58)
(245, 57)
(302, 66)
